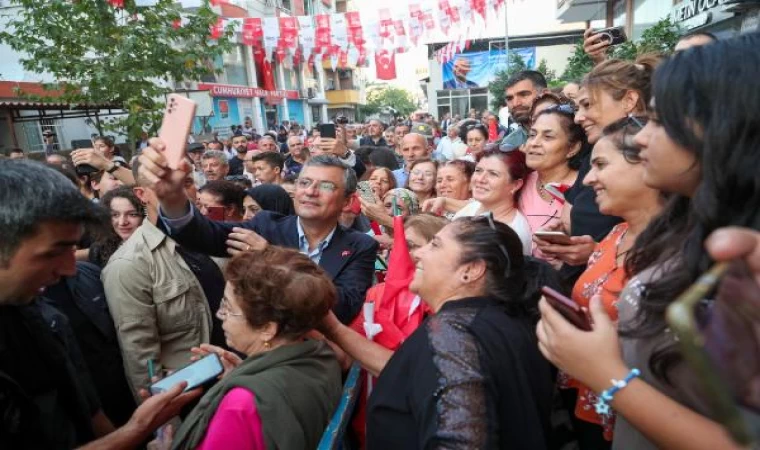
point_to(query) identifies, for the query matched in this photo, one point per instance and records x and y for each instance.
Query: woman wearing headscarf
(267, 197)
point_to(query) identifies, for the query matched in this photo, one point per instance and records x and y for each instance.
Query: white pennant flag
(271, 31)
(353, 56)
(371, 29)
(339, 30)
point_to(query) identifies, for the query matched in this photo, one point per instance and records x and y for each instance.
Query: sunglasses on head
(564, 109)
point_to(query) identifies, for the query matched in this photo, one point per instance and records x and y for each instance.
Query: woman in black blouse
(470, 376)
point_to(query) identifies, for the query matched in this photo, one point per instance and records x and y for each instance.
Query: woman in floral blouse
(616, 177)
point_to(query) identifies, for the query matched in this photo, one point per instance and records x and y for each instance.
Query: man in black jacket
(45, 397)
(323, 190)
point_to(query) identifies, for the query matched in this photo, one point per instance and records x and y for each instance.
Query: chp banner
(477, 69)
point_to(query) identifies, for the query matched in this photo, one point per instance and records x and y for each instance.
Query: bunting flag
(288, 32)
(348, 38)
(252, 31)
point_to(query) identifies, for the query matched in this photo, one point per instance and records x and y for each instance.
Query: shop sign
(228, 90)
(690, 8)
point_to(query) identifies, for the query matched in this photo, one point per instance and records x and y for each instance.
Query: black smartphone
(196, 374)
(327, 130)
(613, 35)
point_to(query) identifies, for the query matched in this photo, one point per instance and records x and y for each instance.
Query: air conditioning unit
(311, 93)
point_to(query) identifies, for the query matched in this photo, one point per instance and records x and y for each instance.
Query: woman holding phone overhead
(705, 155)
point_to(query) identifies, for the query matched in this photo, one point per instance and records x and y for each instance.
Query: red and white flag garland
(348, 38)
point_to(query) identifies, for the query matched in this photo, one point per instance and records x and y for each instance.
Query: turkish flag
(385, 63)
(116, 3)
(396, 309)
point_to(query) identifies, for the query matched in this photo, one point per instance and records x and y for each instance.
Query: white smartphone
(196, 374)
(554, 237)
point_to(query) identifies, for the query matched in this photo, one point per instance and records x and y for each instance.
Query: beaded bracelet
(602, 405)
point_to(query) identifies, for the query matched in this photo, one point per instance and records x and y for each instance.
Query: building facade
(724, 18)
(296, 94)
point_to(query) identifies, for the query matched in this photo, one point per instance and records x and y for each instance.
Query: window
(646, 13)
(291, 78)
(234, 66)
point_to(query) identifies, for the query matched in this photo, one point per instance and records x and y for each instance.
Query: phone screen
(196, 374)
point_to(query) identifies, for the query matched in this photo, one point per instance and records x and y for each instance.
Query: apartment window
(291, 78)
(234, 66)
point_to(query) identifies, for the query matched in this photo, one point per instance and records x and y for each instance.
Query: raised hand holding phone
(178, 119)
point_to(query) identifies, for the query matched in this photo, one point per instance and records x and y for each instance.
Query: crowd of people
(417, 249)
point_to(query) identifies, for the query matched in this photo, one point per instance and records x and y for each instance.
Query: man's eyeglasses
(327, 187)
(503, 249)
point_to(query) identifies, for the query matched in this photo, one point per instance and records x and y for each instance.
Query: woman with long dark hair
(701, 145)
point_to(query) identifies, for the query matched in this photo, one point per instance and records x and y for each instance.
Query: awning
(581, 10)
(341, 106)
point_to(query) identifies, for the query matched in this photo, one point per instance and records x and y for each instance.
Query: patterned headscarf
(408, 197)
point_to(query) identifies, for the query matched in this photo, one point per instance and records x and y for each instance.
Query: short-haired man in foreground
(323, 189)
(45, 401)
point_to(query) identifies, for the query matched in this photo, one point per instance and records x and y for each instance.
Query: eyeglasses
(638, 121)
(421, 173)
(503, 249)
(327, 187)
(224, 309)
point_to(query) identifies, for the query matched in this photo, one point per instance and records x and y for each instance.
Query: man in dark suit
(323, 191)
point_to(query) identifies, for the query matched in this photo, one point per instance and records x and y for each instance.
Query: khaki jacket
(157, 304)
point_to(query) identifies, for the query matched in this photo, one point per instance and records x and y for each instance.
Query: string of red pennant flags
(348, 39)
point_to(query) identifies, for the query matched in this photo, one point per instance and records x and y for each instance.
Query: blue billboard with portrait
(477, 69)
